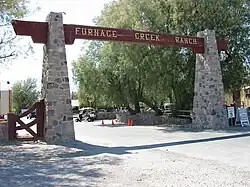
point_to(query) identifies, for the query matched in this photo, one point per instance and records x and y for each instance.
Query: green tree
(11, 9)
(131, 74)
(24, 94)
(230, 20)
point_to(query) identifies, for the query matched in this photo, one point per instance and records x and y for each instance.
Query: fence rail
(13, 119)
(180, 113)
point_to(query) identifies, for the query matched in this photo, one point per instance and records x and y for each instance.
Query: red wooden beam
(38, 32)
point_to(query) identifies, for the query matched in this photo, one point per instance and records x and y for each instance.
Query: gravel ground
(78, 164)
(91, 164)
(42, 165)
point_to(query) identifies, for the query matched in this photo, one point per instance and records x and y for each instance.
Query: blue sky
(77, 12)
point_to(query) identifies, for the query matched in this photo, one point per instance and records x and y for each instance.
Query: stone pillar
(55, 84)
(209, 96)
(44, 73)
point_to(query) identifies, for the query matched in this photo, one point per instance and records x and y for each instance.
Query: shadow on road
(237, 129)
(90, 150)
(43, 165)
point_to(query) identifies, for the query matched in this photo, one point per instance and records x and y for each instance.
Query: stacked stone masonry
(55, 84)
(209, 97)
(149, 118)
(3, 130)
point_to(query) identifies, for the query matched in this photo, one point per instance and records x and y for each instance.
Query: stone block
(3, 130)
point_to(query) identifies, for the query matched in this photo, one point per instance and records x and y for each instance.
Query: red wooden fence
(13, 119)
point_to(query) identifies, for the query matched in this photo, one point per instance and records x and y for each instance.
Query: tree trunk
(130, 110)
(137, 107)
(171, 97)
(154, 107)
(162, 105)
(137, 104)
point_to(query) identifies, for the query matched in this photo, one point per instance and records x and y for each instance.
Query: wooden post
(11, 126)
(40, 118)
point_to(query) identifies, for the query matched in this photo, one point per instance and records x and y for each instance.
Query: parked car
(122, 110)
(85, 115)
(2, 116)
(32, 115)
(86, 110)
(102, 110)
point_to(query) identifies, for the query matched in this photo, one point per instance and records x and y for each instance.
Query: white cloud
(80, 12)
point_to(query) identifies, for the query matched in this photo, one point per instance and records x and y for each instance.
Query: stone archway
(208, 111)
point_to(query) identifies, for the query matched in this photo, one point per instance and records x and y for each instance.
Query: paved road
(230, 147)
(120, 156)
